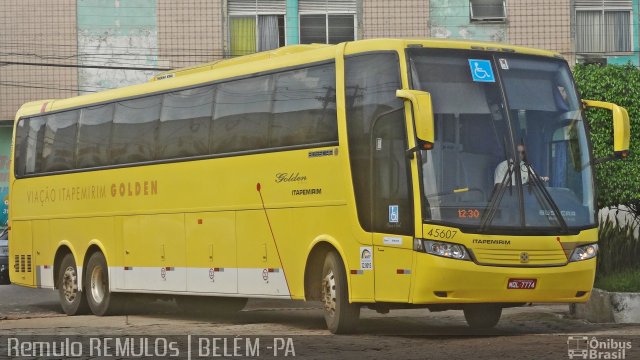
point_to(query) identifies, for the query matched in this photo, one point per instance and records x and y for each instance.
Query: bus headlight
(444, 249)
(584, 252)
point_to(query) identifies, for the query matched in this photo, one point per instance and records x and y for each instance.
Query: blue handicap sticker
(481, 70)
(394, 215)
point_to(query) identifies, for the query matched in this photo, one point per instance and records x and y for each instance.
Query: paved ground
(533, 332)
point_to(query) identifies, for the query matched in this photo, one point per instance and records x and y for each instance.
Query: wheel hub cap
(329, 293)
(70, 284)
(98, 284)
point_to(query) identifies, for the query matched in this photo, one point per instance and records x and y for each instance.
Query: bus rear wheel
(101, 300)
(340, 315)
(482, 316)
(72, 300)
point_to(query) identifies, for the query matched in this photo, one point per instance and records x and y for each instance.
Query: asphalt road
(532, 332)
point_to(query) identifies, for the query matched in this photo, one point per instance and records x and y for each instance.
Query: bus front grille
(500, 257)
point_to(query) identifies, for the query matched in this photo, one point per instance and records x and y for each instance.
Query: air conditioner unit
(487, 10)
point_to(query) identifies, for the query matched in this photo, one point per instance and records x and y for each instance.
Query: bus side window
(22, 132)
(59, 148)
(94, 136)
(241, 115)
(185, 123)
(304, 110)
(34, 140)
(134, 130)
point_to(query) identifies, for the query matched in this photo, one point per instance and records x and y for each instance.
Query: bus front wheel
(340, 315)
(72, 300)
(482, 316)
(101, 300)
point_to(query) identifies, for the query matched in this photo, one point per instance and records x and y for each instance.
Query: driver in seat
(503, 168)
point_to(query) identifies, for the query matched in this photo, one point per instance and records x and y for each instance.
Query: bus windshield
(510, 148)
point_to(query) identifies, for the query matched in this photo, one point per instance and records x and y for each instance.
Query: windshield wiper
(492, 208)
(539, 185)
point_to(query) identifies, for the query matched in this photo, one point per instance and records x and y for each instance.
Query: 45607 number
(441, 233)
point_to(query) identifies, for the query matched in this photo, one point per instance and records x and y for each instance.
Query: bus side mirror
(621, 128)
(422, 116)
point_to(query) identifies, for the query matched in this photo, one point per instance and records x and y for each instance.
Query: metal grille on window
(603, 26)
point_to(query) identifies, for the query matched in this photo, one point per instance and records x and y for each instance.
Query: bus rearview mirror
(621, 127)
(422, 115)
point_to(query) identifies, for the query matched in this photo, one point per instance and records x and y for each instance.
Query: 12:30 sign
(469, 213)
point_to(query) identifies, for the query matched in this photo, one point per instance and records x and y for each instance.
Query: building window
(487, 10)
(326, 28)
(255, 26)
(603, 30)
(327, 21)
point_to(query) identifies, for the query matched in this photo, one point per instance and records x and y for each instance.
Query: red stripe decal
(43, 107)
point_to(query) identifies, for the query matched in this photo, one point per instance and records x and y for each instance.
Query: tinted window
(59, 148)
(313, 29)
(34, 141)
(304, 111)
(22, 131)
(340, 28)
(94, 136)
(185, 123)
(242, 113)
(376, 130)
(134, 130)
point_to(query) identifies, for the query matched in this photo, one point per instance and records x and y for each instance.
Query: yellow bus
(382, 173)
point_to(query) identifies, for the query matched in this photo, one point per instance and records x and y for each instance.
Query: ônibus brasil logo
(583, 347)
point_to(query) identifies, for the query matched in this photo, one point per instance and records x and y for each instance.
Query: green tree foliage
(618, 181)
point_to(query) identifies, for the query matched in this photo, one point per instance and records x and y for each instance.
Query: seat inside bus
(467, 147)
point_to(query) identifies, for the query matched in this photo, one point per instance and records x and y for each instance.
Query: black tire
(73, 302)
(101, 300)
(482, 316)
(210, 305)
(340, 315)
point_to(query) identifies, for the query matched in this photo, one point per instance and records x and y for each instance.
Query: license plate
(522, 284)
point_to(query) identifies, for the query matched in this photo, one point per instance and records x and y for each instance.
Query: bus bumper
(439, 280)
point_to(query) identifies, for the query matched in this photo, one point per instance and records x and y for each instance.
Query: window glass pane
(313, 29)
(487, 9)
(34, 142)
(185, 123)
(340, 28)
(242, 112)
(94, 135)
(374, 111)
(304, 111)
(589, 29)
(22, 133)
(281, 31)
(134, 130)
(243, 35)
(617, 34)
(268, 32)
(59, 148)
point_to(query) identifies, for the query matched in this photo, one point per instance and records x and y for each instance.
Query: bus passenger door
(393, 221)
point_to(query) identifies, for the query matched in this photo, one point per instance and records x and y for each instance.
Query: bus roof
(291, 55)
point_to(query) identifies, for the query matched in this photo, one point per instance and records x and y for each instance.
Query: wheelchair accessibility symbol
(481, 71)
